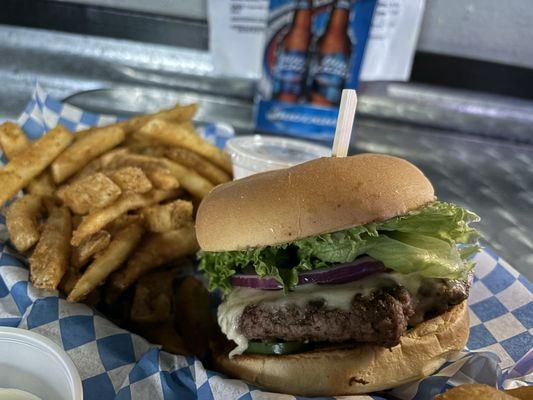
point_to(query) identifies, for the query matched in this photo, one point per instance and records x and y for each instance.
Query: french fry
(131, 179)
(178, 113)
(95, 243)
(76, 220)
(163, 179)
(82, 151)
(22, 221)
(90, 169)
(166, 217)
(89, 193)
(12, 139)
(98, 219)
(124, 158)
(107, 261)
(97, 164)
(137, 144)
(175, 114)
(69, 280)
(165, 335)
(108, 160)
(193, 316)
(50, 203)
(195, 184)
(150, 307)
(154, 168)
(28, 164)
(158, 249)
(199, 164)
(152, 301)
(50, 259)
(42, 185)
(183, 135)
(122, 221)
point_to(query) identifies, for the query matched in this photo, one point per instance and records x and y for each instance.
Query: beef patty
(380, 318)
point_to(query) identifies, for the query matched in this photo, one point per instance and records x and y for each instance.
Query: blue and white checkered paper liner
(116, 364)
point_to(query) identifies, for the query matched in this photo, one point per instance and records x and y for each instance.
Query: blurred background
(460, 107)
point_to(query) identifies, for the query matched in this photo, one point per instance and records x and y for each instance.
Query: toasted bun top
(363, 369)
(320, 196)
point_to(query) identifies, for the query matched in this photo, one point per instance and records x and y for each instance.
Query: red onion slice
(255, 282)
(340, 273)
(343, 273)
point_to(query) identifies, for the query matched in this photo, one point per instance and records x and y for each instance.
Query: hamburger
(339, 276)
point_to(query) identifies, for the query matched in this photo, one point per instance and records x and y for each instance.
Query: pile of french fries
(110, 208)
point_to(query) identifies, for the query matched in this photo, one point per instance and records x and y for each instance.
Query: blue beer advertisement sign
(314, 49)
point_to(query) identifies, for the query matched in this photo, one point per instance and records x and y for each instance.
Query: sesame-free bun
(362, 369)
(320, 196)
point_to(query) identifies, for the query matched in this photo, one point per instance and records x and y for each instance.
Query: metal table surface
(492, 177)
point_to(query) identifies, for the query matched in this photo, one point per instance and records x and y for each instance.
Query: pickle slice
(276, 348)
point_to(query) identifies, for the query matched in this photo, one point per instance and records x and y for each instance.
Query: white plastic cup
(35, 364)
(258, 153)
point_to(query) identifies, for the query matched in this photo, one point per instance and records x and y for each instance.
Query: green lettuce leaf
(434, 241)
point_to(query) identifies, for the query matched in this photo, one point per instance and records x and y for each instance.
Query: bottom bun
(361, 369)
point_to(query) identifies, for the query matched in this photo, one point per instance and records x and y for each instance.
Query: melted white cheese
(337, 296)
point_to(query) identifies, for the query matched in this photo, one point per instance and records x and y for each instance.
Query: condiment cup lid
(262, 153)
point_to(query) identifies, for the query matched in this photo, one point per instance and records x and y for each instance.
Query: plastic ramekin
(258, 153)
(35, 364)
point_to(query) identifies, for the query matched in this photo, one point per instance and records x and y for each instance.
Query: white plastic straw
(343, 131)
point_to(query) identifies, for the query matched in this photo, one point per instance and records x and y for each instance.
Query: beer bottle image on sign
(291, 63)
(330, 68)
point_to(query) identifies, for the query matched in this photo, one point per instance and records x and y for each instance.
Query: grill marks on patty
(380, 318)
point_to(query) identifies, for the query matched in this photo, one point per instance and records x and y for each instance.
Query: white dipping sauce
(16, 394)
